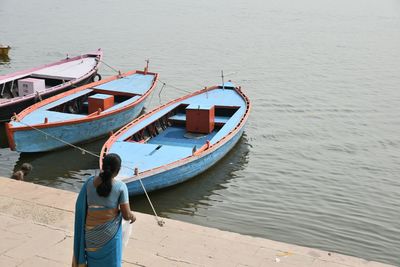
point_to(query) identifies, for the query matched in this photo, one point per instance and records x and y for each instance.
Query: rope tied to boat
(14, 118)
(38, 97)
(176, 88)
(159, 93)
(111, 67)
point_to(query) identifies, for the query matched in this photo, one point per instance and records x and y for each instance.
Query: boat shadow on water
(68, 168)
(184, 198)
(3, 136)
(65, 169)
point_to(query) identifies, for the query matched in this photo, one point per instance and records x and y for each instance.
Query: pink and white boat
(22, 89)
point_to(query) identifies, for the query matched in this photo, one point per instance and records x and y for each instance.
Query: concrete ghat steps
(36, 229)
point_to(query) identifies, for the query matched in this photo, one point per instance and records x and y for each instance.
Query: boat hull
(36, 141)
(7, 110)
(185, 171)
(9, 106)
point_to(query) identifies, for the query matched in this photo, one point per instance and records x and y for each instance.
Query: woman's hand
(132, 217)
(127, 214)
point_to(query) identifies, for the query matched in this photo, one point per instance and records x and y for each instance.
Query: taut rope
(84, 151)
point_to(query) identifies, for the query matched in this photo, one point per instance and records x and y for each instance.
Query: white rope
(159, 95)
(159, 221)
(58, 139)
(177, 88)
(111, 67)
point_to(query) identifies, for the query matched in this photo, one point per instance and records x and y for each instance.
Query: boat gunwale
(98, 54)
(10, 129)
(201, 152)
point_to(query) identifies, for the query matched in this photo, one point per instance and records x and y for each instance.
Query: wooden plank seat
(137, 84)
(181, 117)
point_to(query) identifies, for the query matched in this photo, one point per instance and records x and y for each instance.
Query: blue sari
(96, 244)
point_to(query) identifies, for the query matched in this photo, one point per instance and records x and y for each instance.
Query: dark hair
(111, 166)
(26, 168)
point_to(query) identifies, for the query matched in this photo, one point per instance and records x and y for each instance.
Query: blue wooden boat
(81, 114)
(180, 139)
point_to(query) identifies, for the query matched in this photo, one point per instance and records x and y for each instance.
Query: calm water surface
(319, 163)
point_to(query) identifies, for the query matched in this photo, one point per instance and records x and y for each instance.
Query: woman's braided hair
(111, 166)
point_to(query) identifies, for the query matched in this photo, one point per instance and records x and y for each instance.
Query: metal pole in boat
(12, 88)
(222, 76)
(146, 69)
(2, 90)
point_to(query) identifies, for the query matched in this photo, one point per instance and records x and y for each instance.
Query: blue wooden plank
(124, 103)
(201, 107)
(182, 117)
(175, 136)
(133, 84)
(178, 117)
(229, 125)
(221, 119)
(217, 97)
(146, 156)
(100, 96)
(66, 99)
(52, 116)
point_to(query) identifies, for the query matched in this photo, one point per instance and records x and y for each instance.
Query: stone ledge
(37, 222)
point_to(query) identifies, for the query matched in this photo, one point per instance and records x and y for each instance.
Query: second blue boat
(180, 139)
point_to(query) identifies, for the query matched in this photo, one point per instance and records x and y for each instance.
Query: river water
(319, 163)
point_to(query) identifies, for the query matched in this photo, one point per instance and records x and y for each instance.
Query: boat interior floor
(146, 157)
(178, 136)
(169, 146)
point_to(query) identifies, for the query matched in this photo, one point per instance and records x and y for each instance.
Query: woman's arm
(127, 214)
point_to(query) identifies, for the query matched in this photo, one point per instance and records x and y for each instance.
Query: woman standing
(101, 203)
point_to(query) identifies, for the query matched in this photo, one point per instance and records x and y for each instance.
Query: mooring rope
(111, 67)
(159, 93)
(56, 138)
(163, 86)
(176, 88)
(84, 151)
(152, 95)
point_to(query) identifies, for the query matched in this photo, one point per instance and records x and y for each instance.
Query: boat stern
(10, 136)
